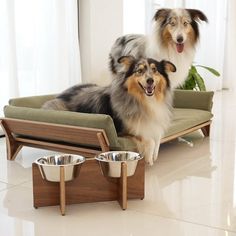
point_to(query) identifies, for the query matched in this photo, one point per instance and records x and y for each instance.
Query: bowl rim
(139, 156)
(81, 158)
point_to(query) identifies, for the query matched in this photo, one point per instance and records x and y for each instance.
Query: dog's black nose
(150, 81)
(180, 39)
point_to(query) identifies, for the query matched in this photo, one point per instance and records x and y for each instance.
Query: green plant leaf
(189, 83)
(193, 69)
(200, 82)
(194, 80)
(213, 71)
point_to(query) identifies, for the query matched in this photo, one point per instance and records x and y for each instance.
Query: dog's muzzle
(149, 88)
(180, 44)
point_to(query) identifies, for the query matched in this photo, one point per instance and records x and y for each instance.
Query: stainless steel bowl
(110, 162)
(50, 166)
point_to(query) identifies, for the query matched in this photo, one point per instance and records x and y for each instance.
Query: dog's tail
(112, 64)
(131, 44)
(116, 52)
(55, 104)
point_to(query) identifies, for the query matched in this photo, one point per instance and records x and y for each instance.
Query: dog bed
(26, 124)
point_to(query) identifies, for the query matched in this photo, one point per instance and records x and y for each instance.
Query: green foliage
(195, 81)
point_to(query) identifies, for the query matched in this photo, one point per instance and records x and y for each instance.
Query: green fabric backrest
(32, 101)
(193, 99)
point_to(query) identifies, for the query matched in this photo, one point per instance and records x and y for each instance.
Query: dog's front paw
(149, 160)
(155, 157)
(156, 150)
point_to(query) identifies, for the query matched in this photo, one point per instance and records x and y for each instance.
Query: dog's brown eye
(172, 23)
(139, 71)
(185, 23)
(154, 70)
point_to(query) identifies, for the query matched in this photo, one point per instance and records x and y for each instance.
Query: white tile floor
(190, 191)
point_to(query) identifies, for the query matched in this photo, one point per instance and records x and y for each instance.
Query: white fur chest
(152, 123)
(182, 63)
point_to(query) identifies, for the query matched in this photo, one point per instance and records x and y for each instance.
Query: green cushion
(186, 118)
(126, 144)
(33, 101)
(193, 99)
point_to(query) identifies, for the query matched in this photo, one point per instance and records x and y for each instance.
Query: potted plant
(195, 81)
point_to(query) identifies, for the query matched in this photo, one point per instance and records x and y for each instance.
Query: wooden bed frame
(62, 138)
(21, 133)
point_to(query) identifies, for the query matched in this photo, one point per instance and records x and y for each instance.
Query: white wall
(134, 21)
(100, 23)
(230, 48)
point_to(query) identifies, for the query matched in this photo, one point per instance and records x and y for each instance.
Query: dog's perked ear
(169, 67)
(127, 61)
(197, 15)
(162, 15)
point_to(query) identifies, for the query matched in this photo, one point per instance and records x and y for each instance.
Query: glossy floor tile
(190, 191)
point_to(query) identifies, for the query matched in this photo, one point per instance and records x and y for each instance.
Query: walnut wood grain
(56, 132)
(89, 186)
(56, 137)
(62, 137)
(123, 187)
(13, 147)
(187, 131)
(103, 142)
(62, 191)
(206, 130)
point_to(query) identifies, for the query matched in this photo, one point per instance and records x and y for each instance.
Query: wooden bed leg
(123, 187)
(206, 130)
(62, 191)
(13, 147)
(103, 142)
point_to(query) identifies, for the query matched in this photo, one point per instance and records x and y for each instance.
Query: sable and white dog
(138, 100)
(174, 37)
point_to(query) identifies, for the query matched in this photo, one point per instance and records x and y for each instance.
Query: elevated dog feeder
(122, 177)
(119, 164)
(60, 168)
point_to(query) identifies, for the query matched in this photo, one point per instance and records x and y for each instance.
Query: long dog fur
(174, 37)
(138, 100)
